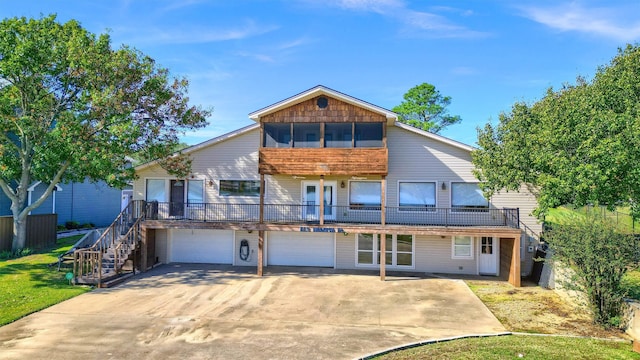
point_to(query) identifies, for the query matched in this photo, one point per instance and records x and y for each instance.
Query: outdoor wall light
(342, 185)
(444, 186)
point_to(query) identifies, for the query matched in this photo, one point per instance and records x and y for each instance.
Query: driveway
(190, 311)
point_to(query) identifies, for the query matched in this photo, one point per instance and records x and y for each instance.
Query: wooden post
(514, 276)
(261, 232)
(383, 255)
(383, 237)
(321, 200)
(143, 248)
(260, 251)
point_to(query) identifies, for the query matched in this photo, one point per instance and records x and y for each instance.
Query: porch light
(444, 185)
(342, 185)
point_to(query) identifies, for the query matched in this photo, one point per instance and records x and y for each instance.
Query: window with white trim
(462, 247)
(156, 190)
(399, 250)
(468, 197)
(416, 195)
(195, 191)
(365, 195)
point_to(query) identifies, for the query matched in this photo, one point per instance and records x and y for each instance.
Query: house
(76, 202)
(328, 180)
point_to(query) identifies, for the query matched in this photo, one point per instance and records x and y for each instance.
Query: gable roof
(322, 90)
(207, 143)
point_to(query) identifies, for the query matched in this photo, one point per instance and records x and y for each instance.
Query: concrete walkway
(183, 311)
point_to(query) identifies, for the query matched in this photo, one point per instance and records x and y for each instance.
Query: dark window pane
(405, 243)
(337, 135)
(306, 135)
(404, 259)
(368, 135)
(239, 187)
(277, 135)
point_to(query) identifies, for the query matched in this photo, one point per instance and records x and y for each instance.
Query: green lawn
(620, 217)
(28, 284)
(519, 346)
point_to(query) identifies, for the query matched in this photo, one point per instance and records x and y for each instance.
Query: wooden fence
(41, 231)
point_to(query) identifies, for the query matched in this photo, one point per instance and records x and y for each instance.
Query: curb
(427, 342)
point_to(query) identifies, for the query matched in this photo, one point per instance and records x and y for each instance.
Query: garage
(300, 249)
(201, 246)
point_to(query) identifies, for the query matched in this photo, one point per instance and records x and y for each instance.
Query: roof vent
(322, 102)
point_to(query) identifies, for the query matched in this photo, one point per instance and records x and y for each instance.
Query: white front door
(311, 200)
(488, 255)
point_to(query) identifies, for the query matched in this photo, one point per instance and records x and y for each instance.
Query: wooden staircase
(102, 263)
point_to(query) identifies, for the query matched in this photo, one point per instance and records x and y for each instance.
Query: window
(195, 191)
(306, 135)
(239, 187)
(337, 135)
(467, 197)
(365, 249)
(156, 190)
(364, 195)
(368, 135)
(416, 196)
(462, 247)
(277, 135)
(399, 250)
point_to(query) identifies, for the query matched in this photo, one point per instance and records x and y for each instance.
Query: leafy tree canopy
(578, 145)
(425, 108)
(72, 107)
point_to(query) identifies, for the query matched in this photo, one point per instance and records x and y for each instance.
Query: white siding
(433, 254)
(232, 159)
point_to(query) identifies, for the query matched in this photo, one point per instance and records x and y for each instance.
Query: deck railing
(368, 215)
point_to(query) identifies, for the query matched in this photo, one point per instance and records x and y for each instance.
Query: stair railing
(87, 264)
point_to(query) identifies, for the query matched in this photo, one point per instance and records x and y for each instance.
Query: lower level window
(462, 247)
(399, 249)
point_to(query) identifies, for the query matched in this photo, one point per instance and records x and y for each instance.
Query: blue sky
(241, 56)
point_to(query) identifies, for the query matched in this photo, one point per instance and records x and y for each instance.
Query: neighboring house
(325, 179)
(85, 202)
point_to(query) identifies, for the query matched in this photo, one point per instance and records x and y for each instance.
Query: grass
(620, 217)
(28, 284)
(519, 346)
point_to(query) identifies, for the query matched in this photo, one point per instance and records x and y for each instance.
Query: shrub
(599, 256)
(71, 225)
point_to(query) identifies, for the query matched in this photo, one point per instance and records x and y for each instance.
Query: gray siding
(235, 158)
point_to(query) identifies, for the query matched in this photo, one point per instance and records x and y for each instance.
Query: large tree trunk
(19, 233)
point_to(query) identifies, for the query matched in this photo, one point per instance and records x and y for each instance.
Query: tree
(425, 108)
(578, 145)
(71, 108)
(598, 256)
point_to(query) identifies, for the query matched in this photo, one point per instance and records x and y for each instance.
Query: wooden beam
(321, 200)
(514, 276)
(143, 249)
(383, 256)
(260, 251)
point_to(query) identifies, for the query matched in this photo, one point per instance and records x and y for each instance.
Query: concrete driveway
(181, 311)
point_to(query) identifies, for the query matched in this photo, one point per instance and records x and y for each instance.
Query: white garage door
(201, 246)
(300, 249)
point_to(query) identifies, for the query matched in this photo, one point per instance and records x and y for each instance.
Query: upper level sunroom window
(336, 135)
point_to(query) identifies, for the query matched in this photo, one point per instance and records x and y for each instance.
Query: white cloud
(416, 23)
(194, 35)
(617, 23)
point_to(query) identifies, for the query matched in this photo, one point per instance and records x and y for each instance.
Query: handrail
(88, 261)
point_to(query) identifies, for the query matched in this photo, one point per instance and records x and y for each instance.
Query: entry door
(311, 200)
(176, 198)
(488, 256)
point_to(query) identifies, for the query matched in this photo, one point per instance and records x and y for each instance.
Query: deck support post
(261, 232)
(143, 248)
(514, 273)
(383, 237)
(321, 200)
